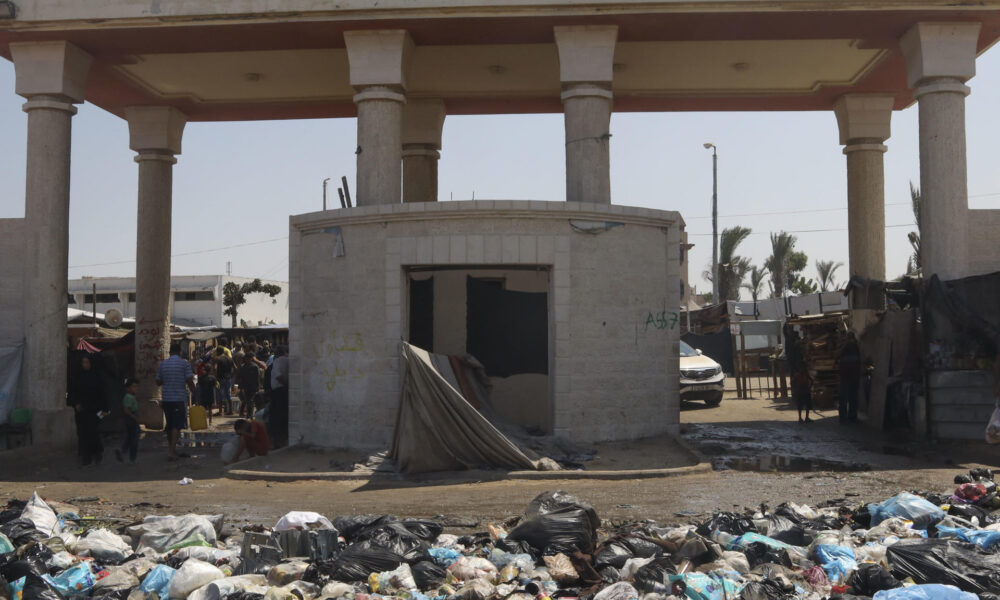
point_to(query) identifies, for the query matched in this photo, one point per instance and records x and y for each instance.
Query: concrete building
(609, 274)
(195, 300)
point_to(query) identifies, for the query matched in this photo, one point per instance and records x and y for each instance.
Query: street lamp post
(715, 221)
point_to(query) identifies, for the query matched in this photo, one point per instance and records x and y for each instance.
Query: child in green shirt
(130, 410)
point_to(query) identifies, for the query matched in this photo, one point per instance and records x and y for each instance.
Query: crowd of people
(256, 370)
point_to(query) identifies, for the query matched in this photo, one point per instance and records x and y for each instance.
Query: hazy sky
(236, 183)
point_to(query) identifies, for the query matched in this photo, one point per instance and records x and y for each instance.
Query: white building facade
(195, 300)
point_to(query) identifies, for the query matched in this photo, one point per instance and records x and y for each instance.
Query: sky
(235, 184)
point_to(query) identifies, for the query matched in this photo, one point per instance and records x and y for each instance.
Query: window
(106, 298)
(131, 296)
(194, 296)
(71, 299)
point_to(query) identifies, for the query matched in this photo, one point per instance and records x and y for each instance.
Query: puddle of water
(784, 464)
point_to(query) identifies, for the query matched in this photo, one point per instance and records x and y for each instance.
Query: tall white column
(586, 66)
(940, 58)
(155, 135)
(864, 123)
(378, 62)
(52, 76)
(423, 121)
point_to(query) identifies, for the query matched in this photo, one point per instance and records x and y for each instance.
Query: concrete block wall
(983, 231)
(612, 317)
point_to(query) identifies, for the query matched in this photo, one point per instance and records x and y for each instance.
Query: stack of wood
(824, 339)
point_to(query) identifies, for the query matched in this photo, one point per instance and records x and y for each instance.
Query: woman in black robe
(86, 397)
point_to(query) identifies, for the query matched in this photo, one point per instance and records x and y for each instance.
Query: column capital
(55, 68)
(586, 53)
(48, 103)
(379, 57)
(864, 117)
(155, 130)
(423, 122)
(940, 49)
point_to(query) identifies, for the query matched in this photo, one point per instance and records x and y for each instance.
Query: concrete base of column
(54, 428)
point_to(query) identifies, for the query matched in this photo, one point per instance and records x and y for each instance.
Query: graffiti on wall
(337, 357)
(661, 320)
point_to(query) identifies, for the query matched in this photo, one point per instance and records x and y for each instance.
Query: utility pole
(715, 222)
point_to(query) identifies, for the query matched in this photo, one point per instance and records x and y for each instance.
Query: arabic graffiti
(149, 347)
(336, 355)
(661, 320)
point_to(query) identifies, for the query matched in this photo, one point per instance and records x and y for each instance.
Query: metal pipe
(715, 222)
(324, 192)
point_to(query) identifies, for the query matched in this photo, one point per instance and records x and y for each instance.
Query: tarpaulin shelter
(437, 429)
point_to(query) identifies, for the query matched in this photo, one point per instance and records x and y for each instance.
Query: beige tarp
(438, 430)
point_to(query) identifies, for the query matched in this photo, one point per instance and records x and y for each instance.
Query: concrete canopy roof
(231, 61)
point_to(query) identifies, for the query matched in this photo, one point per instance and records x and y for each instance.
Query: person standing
(130, 414)
(224, 373)
(86, 397)
(248, 377)
(849, 363)
(277, 422)
(175, 377)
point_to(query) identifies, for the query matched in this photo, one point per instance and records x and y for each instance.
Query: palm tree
(913, 264)
(825, 270)
(782, 246)
(757, 276)
(732, 268)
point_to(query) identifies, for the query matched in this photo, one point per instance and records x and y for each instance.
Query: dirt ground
(877, 466)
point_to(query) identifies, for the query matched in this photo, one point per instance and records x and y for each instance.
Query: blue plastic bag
(5, 546)
(907, 506)
(74, 581)
(16, 588)
(985, 539)
(929, 591)
(837, 561)
(158, 580)
(708, 586)
(444, 556)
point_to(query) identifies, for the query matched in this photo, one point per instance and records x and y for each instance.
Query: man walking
(175, 377)
(849, 363)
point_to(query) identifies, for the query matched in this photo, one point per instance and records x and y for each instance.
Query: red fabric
(257, 441)
(87, 346)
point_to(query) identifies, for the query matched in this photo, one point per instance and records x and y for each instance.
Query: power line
(206, 251)
(811, 230)
(789, 212)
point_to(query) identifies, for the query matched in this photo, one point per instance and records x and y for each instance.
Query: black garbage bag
(359, 560)
(862, 518)
(642, 548)
(351, 524)
(765, 590)
(423, 529)
(515, 547)
(558, 518)
(871, 578)
(396, 538)
(427, 574)
(21, 531)
(37, 588)
(968, 511)
(785, 530)
(613, 554)
(759, 553)
(981, 474)
(945, 561)
(654, 578)
(8, 515)
(610, 575)
(244, 596)
(727, 522)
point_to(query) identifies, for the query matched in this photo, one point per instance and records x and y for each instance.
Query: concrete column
(378, 63)
(586, 61)
(863, 120)
(423, 122)
(52, 76)
(155, 135)
(940, 58)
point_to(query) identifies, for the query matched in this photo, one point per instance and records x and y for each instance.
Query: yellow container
(197, 418)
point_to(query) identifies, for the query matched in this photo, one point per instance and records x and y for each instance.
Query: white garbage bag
(216, 520)
(162, 533)
(103, 545)
(39, 513)
(220, 588)
(192, 575)
(229, 449)
(618, 591)
(300, 519)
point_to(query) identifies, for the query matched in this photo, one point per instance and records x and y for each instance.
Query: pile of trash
(908, 547)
